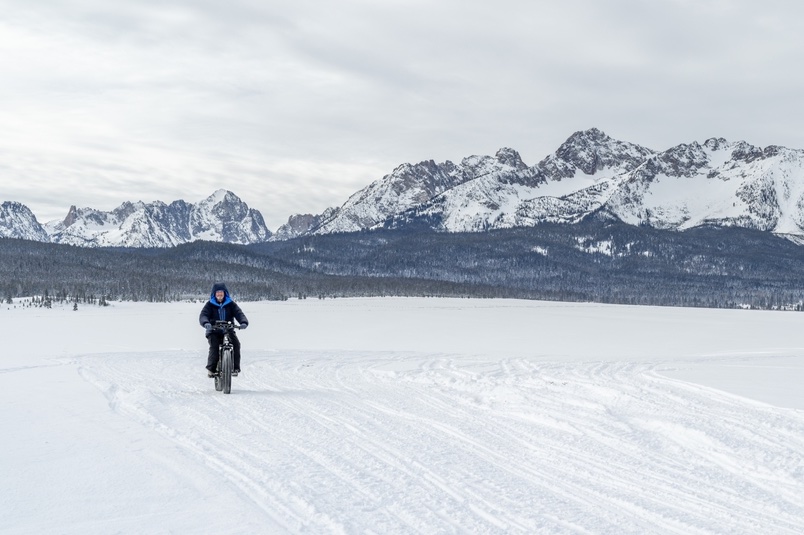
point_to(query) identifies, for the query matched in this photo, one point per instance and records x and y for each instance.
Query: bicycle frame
(223, 378)
(226, 327)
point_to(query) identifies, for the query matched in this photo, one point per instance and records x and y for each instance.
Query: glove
(243, 326)
(208, 328)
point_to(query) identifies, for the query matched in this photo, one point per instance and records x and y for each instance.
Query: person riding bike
(220, 307)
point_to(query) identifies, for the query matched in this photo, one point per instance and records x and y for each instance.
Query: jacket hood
(219, 286)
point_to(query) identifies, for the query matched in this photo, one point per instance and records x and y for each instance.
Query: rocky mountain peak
(746, 152)
(683, 160)
(591, 136)
(222, 196)
(226, 204)
(511, 158)
(592, 150)
(716, 143)
(72, 216)
(126, 209)
(301, 224)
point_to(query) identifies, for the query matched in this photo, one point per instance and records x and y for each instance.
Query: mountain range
(591, 175)
(221, 217)
(714, 183)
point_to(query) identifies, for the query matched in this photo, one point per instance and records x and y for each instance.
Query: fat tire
(226, 371)
(218, 382)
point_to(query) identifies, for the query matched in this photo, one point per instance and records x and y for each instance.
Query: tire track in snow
(726, 506)
(410, 443)
(575, 494)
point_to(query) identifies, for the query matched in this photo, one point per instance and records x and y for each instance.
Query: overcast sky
(296, 104)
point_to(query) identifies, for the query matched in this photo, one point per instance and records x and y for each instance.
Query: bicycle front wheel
(218, 383)
(227, 364)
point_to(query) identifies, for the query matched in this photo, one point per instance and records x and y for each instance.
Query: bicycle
(223, 374)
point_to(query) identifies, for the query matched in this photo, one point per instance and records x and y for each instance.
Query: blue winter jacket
(228, 310)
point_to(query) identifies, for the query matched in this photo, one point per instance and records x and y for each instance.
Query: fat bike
(223, 373)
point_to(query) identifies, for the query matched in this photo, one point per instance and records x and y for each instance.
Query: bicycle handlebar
(224, 326)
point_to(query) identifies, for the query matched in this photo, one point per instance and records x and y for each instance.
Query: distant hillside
(589, 261)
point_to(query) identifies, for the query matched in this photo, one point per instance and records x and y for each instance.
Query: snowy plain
(404, 416)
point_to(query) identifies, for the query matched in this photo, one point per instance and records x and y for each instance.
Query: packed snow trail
(404, 416)
(385, 442)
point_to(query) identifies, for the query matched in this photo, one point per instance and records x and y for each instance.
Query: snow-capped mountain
(224, 217)
(17, 221)
(717, 183)
(713, 183)
(564, 187)
(407, 186)
(221, 217)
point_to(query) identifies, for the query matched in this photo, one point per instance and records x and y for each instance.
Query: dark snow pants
(215, 340)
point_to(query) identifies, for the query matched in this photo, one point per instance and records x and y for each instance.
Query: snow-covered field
(404, 416)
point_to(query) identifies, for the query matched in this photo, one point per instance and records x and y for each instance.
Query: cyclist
(220, 307)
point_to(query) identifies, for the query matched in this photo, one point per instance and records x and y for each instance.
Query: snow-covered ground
(404, 416)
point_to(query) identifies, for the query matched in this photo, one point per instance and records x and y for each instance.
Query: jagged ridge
(714, 183)
(222, 217)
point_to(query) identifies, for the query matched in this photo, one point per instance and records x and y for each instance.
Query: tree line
(607, 262)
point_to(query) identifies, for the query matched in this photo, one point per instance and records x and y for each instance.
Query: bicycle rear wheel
(226, 370)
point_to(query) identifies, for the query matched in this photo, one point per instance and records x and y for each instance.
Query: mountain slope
(717, 183)
(17, 221)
